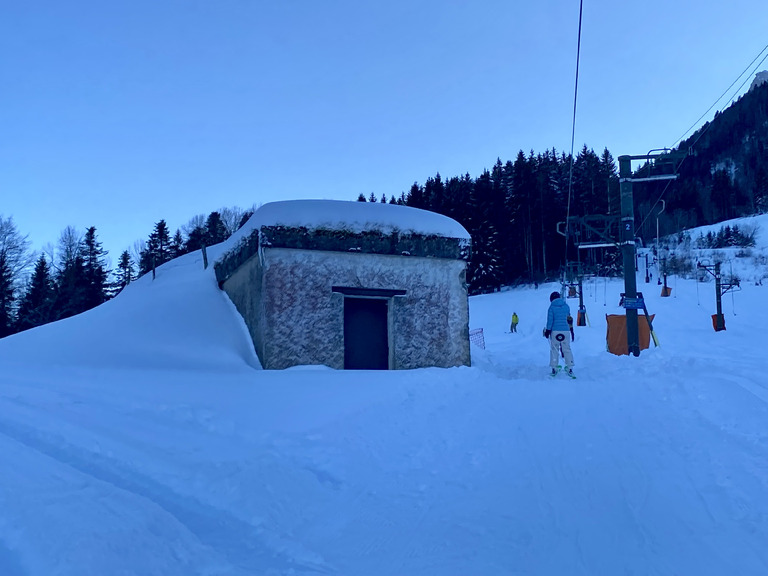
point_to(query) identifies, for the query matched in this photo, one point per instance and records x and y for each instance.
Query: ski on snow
(559, 369)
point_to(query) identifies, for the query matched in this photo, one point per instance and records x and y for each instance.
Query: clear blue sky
(116, 114)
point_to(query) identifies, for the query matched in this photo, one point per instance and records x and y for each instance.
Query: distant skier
(513, 323)
(559, 324)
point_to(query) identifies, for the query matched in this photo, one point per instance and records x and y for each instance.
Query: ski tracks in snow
(102, 493)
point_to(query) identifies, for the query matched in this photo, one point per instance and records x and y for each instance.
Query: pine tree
(415, 197)
(177, 244)
(162, 243)
(520, 205)
(434, 194)
(485, 272)
(196, 238)
(69, 278)
(36, 305)
(124, 270)
(457, 193)
(588, 191)
(94, 270)
(610, 179)
(215, 230)
(361, 198)
(6, 297)
(372, 197)
(158, 248)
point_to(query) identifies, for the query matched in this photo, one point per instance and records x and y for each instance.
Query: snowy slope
(143, 438)
(748, 264)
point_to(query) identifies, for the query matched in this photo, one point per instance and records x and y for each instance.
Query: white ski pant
(557, 339)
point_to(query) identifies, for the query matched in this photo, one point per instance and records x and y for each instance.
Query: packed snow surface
(354, 217)
(142, 438)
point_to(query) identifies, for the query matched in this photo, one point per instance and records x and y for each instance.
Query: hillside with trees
(513, 210)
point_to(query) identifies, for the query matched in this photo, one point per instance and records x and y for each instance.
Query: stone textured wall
(301, 321)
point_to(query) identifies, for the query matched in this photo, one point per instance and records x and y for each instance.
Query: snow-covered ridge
(746, 263)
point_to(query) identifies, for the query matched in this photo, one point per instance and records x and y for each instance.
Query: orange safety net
(714, 322)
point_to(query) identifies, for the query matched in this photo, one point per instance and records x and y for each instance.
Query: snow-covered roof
(336, 225)
(355, 217)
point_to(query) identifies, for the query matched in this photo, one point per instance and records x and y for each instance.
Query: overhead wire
(573, 131)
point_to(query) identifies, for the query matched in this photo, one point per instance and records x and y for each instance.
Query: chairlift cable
(573, 128)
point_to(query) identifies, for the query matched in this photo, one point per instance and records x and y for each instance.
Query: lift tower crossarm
(650, 178)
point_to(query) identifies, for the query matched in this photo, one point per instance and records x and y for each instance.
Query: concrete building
(353, 285)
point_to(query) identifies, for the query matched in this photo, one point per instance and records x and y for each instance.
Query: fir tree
(177, 244)
(610, 178)
(94, 270)
(36, 305)
(6, 297)
(415, 197)
(69, 282)
(520, 206)
(215, 230)
(158, 248)
(196, 238)
(69, 278)
(485, 271)
(125, 268)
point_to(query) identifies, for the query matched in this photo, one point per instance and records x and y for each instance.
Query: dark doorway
(366, 344)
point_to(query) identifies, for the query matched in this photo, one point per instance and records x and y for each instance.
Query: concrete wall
(244, 288)
(286, 298)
